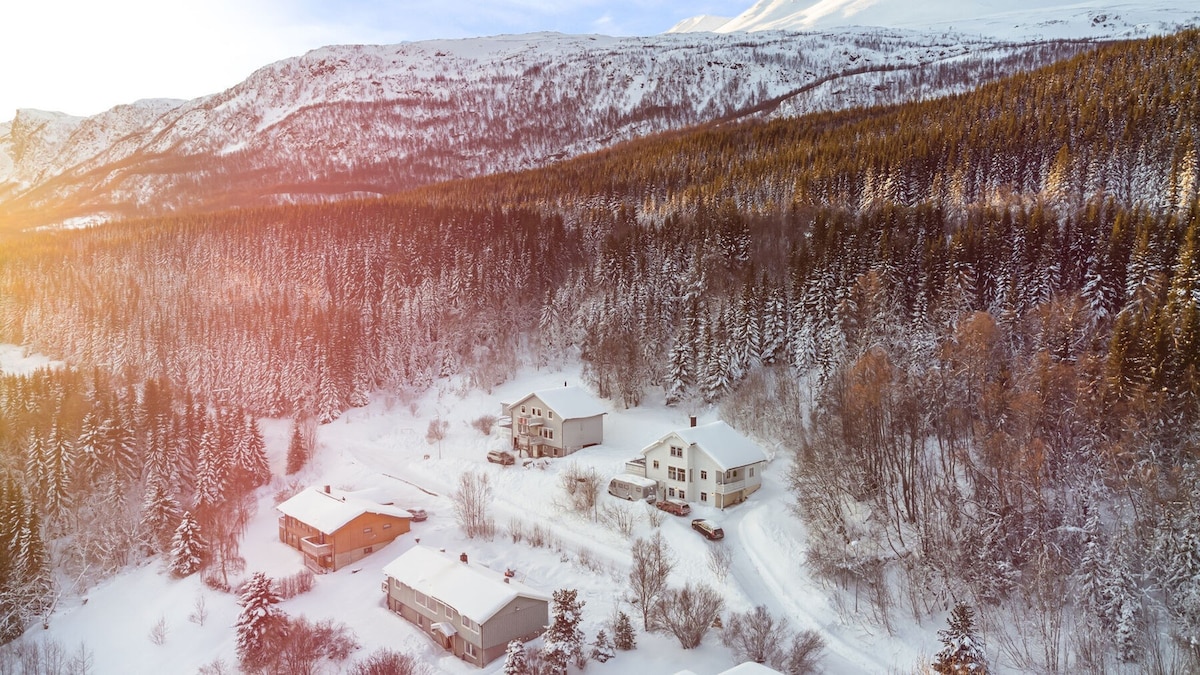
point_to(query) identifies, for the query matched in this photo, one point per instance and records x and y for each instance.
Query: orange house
(333, 531)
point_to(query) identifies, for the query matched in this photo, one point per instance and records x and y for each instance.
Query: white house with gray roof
(711, 464)
(469, 610)
(554, 422)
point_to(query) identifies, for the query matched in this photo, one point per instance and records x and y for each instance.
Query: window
(656, 463)
(387, 526)
(682, 494)
(550, 414)
(368, 550)
(424, 600)
(469, 649)
(670, 492)
(469, 624)
(366, 530)
(703, 474)
(751, 474)
(676, 452)
(703, 496)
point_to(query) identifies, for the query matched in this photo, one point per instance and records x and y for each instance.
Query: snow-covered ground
(15, 360)
(383, 446)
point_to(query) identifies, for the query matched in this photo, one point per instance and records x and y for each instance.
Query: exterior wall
(349, 544)
(523, 618)
(557, 437)
(702, 474)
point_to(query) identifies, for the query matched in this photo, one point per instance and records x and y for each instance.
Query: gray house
(554, 422)
(471, 611)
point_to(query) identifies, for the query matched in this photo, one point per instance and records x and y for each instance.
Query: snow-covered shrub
(296, 584)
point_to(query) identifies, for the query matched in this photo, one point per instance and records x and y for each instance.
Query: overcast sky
(85, 56)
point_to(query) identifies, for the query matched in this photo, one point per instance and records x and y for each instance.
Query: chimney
(692, 419)
(462, 557)
(506, 580)
(326, 489)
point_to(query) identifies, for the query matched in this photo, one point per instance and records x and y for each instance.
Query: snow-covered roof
(750, 668)
(721, 442)
(568, 403)
(329, 513)
(477, 592)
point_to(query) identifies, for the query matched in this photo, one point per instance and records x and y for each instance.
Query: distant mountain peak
(1053, 19)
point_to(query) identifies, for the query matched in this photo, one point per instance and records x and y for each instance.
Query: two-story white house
(711, 464)
(554, 422)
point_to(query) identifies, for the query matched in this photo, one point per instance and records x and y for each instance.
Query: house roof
(475, 591)
(568, 402)
(721, 442)
(329, 513)
(750, 668)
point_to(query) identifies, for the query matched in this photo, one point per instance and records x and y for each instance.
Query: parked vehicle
(708, 528)
(418, 515)
(501, 457)
(633, 488)
(672, 506)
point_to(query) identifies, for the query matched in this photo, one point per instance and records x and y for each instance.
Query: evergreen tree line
(96, 474)
(1003, 372)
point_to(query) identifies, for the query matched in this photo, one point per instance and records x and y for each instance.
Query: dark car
(501, 457)
(708, 528)
(672, 506)
(418, 515)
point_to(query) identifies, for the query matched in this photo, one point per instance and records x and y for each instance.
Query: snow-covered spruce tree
(248, 466)
(187, 547)
(624, 637)
(962, 650)
(602, 647)
(260, 622)
(160, 516)
(515, 660)
(296, 454)
(563, 640)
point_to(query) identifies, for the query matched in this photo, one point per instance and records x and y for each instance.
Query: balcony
(733, 486)
(314, 549)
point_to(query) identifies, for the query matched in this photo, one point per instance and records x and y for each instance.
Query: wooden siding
(349, 543)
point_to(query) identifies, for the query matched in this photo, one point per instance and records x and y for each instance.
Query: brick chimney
(692, 419)
(326, 489)
(462, 557)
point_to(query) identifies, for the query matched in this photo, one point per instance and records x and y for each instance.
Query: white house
(554, 422)
(711, 464)
(470, 611)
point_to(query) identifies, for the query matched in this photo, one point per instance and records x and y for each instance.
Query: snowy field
(383, 446)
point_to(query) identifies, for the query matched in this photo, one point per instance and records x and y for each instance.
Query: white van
(631, 487)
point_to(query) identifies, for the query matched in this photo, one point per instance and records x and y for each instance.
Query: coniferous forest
(974, 322)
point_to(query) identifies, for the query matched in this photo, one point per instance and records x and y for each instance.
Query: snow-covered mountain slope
(350, 121)
(1007, 19)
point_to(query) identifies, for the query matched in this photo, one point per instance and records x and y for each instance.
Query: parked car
(418, 515)
(672, 506)
(708, 528)
(501, 457)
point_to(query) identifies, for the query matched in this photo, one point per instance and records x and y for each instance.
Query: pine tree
(211, 474)
(296, 455)
(962, 651)
(58, 463)
(563, 639)
(516, 662)
(187, 547)
(602, 647)
(624, 637)
(160, 514)
(678, 374)
(248, 466)
(260, 622)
